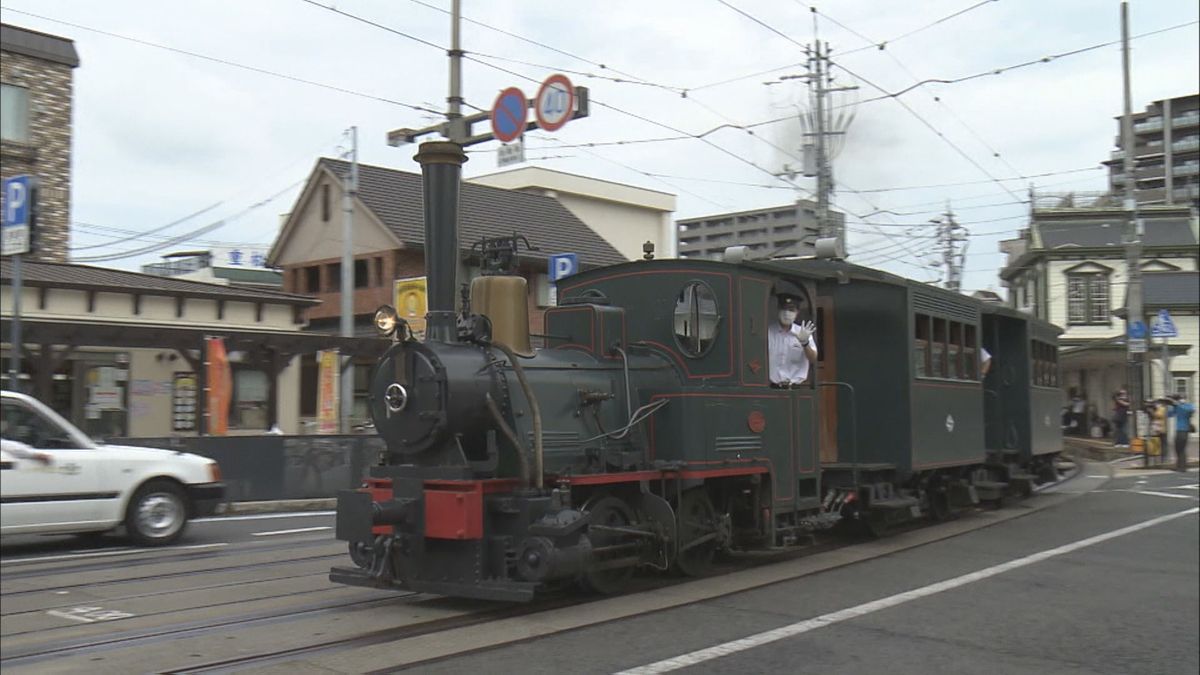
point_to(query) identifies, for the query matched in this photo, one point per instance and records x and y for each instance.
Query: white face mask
(787, 316)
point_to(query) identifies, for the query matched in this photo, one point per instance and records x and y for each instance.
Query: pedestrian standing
(1182, 411)
(1120, 419)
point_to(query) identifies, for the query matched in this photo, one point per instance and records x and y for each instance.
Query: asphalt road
(202, 532)
(1105, 583)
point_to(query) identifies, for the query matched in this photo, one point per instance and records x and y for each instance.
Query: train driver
(792, 346)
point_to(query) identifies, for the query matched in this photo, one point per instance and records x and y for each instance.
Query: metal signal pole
(1133, 239)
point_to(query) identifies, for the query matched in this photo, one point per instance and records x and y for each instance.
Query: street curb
(278, 506)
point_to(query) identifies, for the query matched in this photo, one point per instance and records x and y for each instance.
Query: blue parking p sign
(18, 215)
(563, 265)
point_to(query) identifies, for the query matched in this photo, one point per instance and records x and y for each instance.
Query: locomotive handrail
(534, 409)
(853, 427)
(522, 455)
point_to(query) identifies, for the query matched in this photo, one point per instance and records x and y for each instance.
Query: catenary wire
(227, 62)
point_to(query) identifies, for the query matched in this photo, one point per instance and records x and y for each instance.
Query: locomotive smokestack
(441, 168)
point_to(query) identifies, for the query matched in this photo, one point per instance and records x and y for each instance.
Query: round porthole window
(696, 318)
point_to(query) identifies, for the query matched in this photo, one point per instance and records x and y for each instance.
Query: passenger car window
(696, 318)
(19, 423)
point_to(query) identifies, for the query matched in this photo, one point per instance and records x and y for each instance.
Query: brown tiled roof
(396, 199)
(85, 277)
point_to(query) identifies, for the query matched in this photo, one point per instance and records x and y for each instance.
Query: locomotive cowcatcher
(646, 433)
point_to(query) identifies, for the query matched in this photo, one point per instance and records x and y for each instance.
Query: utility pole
(1133, 241)
(953, 239)
(349, 191)
(817, 153)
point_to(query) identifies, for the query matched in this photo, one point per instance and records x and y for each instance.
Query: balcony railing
(1186, 144)
(1188, 120)
(1152, 125)
(1189, 169)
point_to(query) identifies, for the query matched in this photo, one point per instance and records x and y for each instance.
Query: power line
(882, 45)
(993, 71)
(227, 62)
(187, 236)
(549, 47)
(136, 235)
(142, 235)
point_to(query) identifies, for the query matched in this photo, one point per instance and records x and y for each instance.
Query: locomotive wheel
(698, 533)
(362, 554)
(597, 578)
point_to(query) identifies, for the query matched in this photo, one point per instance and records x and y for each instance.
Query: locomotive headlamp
(385, 320)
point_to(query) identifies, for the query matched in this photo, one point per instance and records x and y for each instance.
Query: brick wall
(48, 152)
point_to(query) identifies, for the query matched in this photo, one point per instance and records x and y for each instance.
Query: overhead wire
(134, 235)
(187, 236)
(234, 64)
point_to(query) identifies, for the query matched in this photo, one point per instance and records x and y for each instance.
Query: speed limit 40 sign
(555, 102)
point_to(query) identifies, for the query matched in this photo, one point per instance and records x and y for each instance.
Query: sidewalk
(1102, 448)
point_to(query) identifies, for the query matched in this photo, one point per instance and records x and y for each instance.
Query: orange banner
(328, 376)
(220, 387)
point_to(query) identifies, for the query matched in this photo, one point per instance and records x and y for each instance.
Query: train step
(990, 489)
(1064, 465)
(1022, 483)
(896, 503)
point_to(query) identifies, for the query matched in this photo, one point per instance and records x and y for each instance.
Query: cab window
(696, 318)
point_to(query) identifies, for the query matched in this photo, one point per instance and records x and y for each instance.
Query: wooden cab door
(827, 372)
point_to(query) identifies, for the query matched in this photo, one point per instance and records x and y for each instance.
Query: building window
(361, 277)
(312, 279)
(1181, 383)
(14, 113)
(248, 405)
(325, 205)
(1087, 299)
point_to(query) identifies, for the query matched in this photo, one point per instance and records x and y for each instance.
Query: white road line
(824, 620)
(1160, 494)
(67, 615)
(1193, 486)
(302, 529)
(1096, 476)
(106, 554)
(265, 516)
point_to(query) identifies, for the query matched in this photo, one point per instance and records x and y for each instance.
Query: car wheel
(157, 514)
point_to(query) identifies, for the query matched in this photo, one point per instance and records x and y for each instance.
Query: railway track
(291, 623)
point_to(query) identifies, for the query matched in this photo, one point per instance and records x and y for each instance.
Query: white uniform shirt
(787, 361)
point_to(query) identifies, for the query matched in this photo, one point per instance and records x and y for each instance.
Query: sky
(189, 114)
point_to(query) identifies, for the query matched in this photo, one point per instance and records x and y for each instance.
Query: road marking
(1159, 494)
(1096, 476)
(105, 554)
(735, 646)
(90, 614)
(302, 529)
(267, 516)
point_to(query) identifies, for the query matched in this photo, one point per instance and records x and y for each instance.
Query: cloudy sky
(218, 109)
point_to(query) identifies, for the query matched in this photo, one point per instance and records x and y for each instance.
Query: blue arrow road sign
(18, 212)
(563, 265)
(1163, 326)
(1137, 330)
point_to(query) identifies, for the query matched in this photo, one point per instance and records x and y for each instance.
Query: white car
(56, 480)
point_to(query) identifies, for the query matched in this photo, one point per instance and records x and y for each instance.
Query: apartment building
(789, 230)
(1166, 155)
